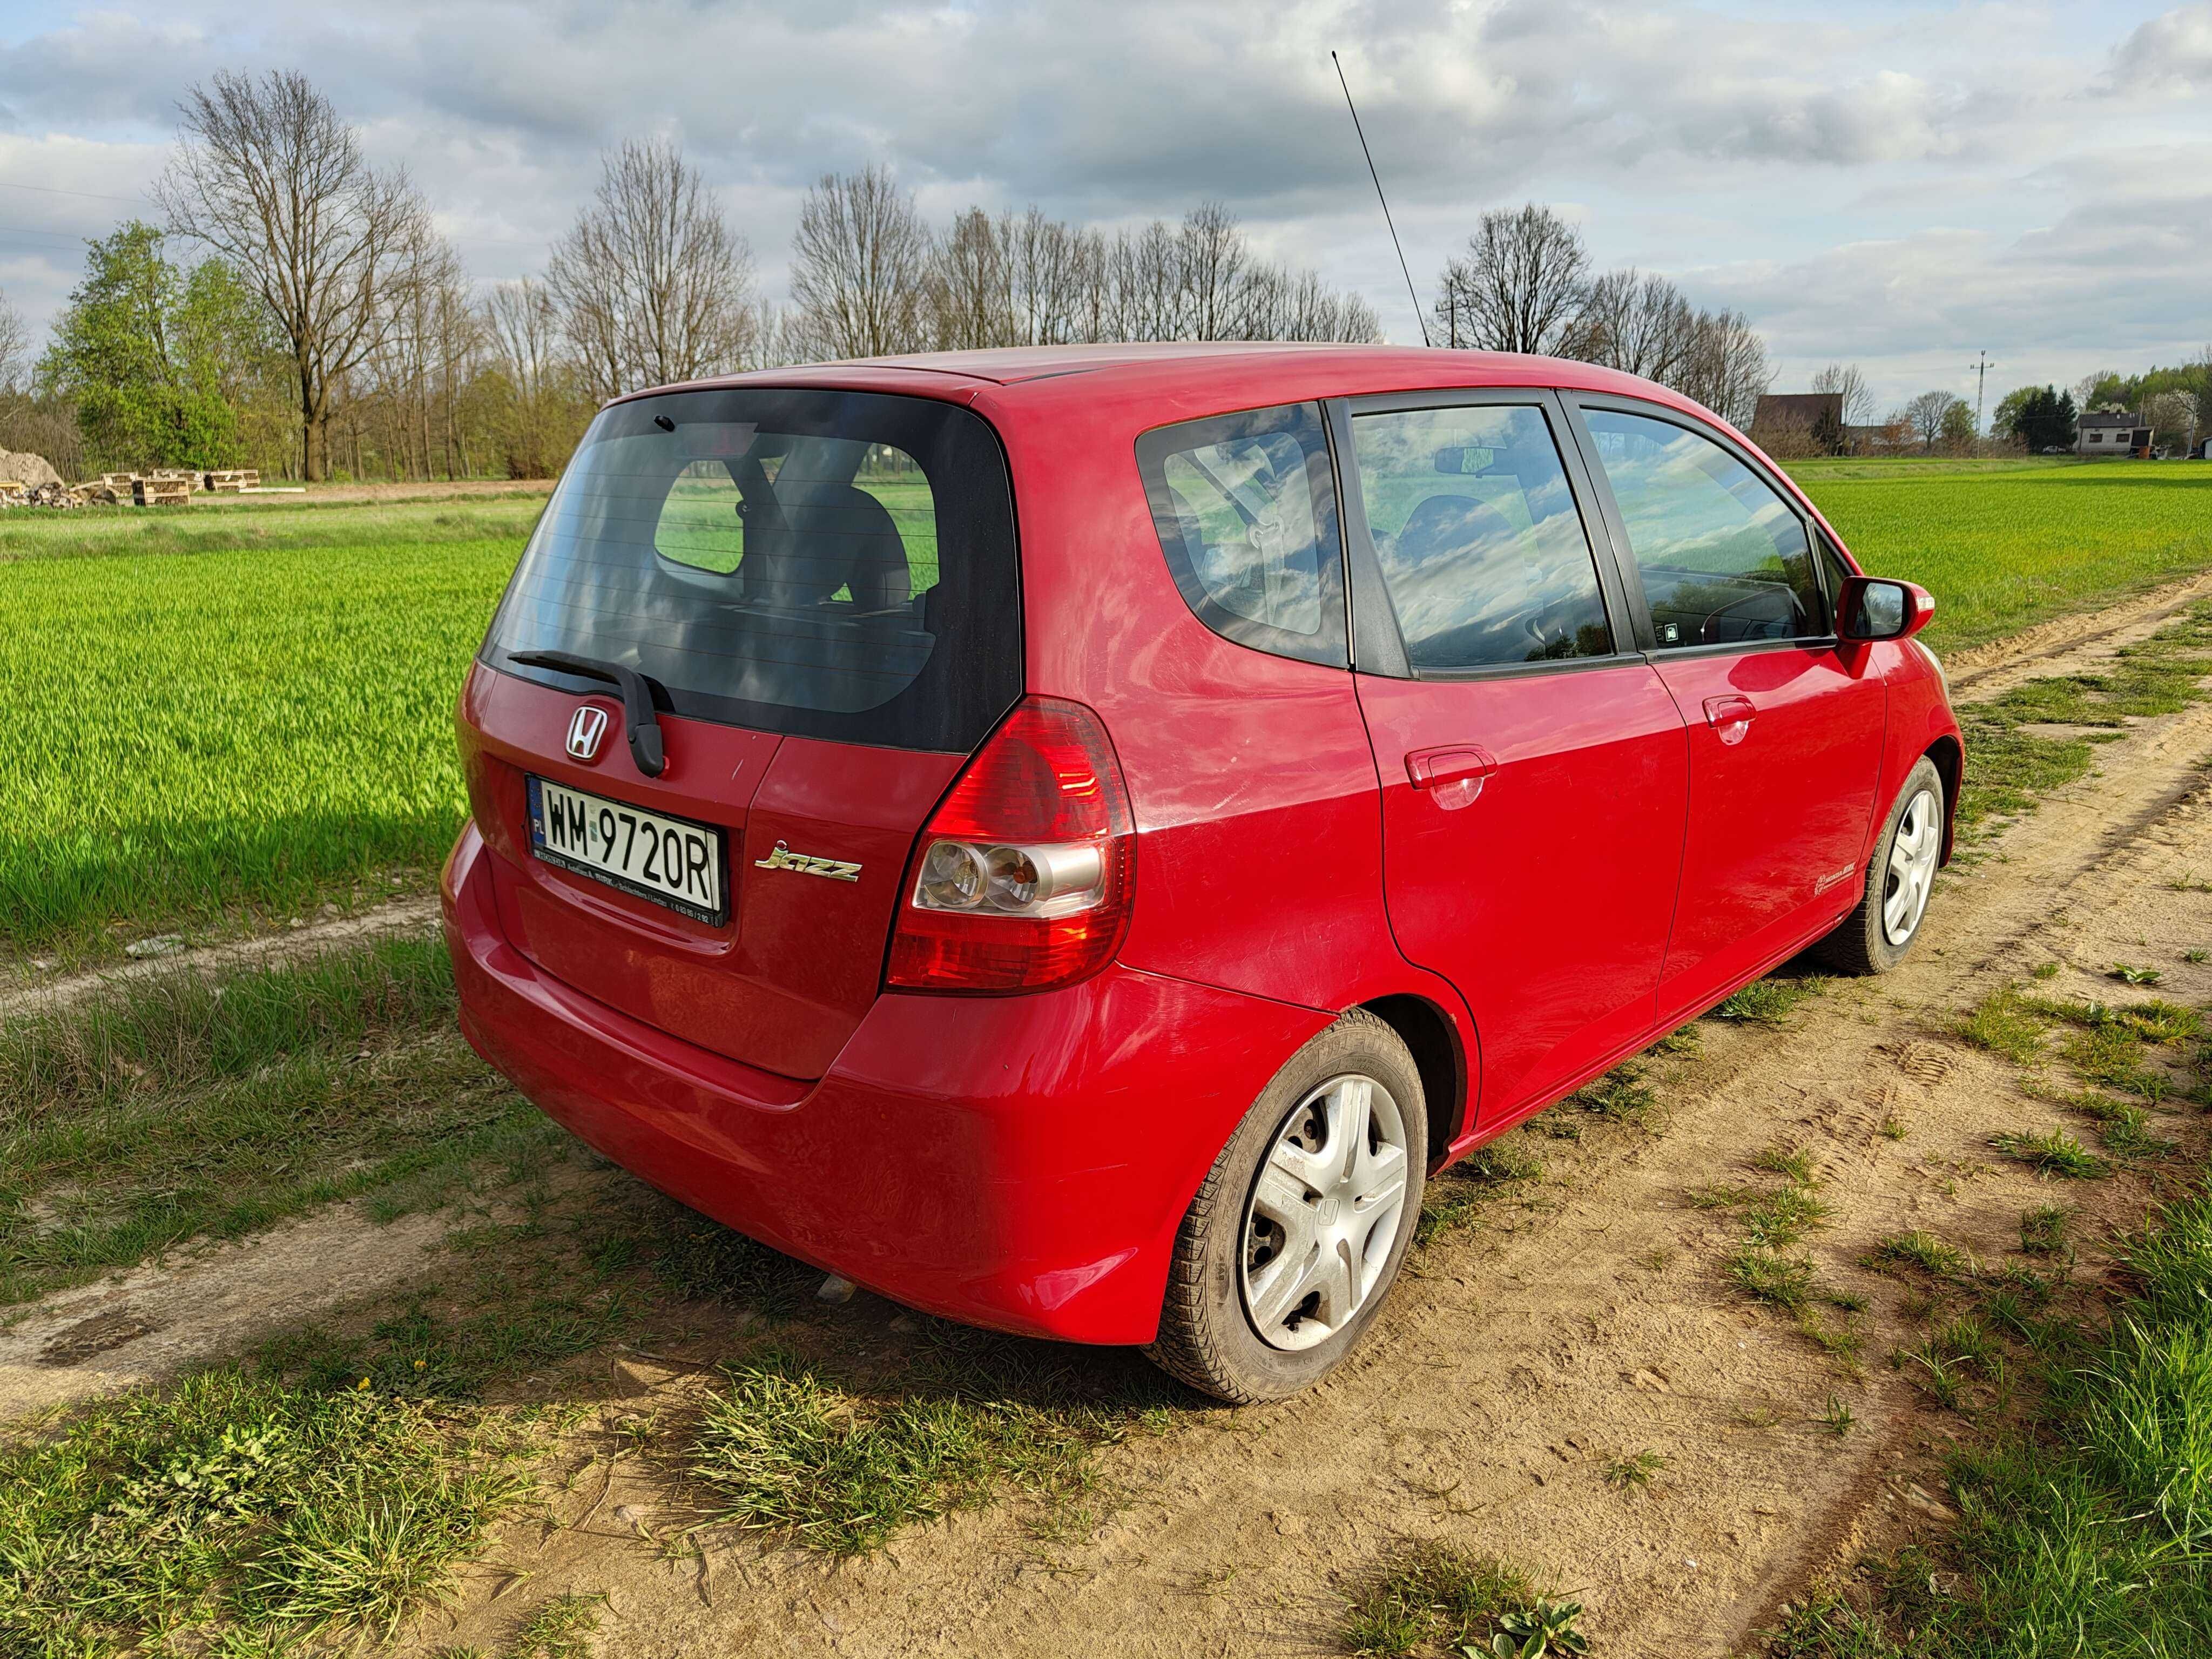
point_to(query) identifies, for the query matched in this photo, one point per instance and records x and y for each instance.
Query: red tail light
(1024, 876)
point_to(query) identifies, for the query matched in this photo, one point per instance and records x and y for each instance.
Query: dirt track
(1586, 1317)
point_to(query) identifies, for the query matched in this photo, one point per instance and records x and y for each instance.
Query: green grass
(2012, 766)
(243, 1512)
(2056, 1153)
(1769, 1001)
(180, 1107)
(2005, 545)
(1461, 1192)
(784, 1446)
(1435, 1597)
(1635, 1471)
(255, 724)
(2084, 1528)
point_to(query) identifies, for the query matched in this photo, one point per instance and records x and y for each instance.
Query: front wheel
(1874, 938)
(1297, 1232)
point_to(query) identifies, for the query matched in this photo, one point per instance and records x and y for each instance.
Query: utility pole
(1981, 378)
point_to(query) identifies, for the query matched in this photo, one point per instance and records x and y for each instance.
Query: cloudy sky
(1903, 186)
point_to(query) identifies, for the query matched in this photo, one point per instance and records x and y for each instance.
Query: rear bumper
(1021, 1162)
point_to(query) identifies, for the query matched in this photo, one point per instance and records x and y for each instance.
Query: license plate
(669, 860)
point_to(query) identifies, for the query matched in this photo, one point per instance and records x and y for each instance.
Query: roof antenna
(1379, 197)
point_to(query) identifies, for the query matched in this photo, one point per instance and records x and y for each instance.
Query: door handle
(1452, 774)
(1730, 718)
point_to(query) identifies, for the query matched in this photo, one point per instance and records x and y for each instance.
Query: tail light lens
(1024, 876)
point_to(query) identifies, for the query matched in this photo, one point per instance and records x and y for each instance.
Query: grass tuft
(242, 1505)
(2057, 1153)
(1435, 1595)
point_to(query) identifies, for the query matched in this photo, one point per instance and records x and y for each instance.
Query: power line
(52, 189)
(1381, 197)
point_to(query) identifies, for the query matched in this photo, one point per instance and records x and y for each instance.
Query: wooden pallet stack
(163, 490)
(231, 481)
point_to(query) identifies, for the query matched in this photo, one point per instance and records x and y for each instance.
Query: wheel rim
(1911, 871)
(1324, 1212)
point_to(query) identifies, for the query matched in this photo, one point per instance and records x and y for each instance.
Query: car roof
(1185, 378)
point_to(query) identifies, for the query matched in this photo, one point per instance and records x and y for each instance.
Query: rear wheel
(1874, 938)
(1299, 1231)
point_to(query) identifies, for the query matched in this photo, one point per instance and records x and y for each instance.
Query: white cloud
(1898, 184)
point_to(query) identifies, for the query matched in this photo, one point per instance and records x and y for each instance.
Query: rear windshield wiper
(642, 694)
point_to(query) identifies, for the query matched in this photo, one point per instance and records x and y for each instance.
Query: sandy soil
(34, 990)
(1586, 1317)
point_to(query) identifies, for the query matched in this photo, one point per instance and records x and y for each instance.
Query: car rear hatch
(812, 598)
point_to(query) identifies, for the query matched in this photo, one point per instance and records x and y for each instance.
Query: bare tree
(1637, 322)
(652, 285)
(860, 267)
(1858, 395)
(1925, 413)
(14, 347)
(1521, 285)
(267, 175)
(544, 408)
(971, 280)
(1725, 366)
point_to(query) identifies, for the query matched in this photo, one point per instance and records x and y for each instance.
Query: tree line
(293, 306)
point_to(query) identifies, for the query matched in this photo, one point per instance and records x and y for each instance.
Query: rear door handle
(1730, 717)
(1452, 774)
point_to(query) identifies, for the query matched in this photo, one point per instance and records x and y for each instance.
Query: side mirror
(1872, 607)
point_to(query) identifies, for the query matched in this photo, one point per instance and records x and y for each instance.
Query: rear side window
(818, 563)
(1246, 511)
(1479, 539)
(1723, 558)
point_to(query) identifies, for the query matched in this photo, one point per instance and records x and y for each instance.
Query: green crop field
(2005, 545)
(232, 712)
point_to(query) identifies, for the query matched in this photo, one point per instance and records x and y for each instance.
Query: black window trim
(1150, 450)
(1378, 645)
(1624, 555)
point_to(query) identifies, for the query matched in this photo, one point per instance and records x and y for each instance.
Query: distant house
(2203, 451)
(1799, 423)
(2112, 432)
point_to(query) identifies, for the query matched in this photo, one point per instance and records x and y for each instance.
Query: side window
(1481, 544)
(1723, 558)
(1246, 512)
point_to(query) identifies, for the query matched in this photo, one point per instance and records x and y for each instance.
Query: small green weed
(1548, 1627)
(561, 1628)
(2043, 1229)
(2005, 1023)
(2057, 1153)
(1635, 1471)
(1435, 1595)
(1837, 1418)
(1920, 1249)
(1769, 1001)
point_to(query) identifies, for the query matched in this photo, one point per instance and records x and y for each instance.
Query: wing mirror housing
(1876, 608)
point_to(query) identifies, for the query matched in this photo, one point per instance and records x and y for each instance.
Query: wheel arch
(1439, 1059)
(1949, 760)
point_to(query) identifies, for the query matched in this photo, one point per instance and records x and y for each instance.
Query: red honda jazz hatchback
(1071, 839)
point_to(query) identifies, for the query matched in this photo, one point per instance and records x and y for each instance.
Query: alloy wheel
(1912, 854)
(1324, 1212)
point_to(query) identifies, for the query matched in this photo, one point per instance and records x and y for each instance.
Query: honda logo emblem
(585, 727)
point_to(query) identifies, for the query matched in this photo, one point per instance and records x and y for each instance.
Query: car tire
(1869, 939)
(1230, 1240)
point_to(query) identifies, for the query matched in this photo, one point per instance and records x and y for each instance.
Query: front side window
(826, 564)
(1479, 539)
(1246, 512)
(1723, 558)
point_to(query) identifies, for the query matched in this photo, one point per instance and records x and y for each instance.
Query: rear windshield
(829, 564)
